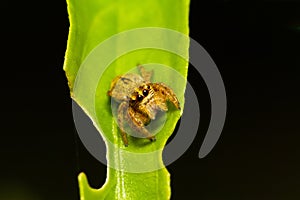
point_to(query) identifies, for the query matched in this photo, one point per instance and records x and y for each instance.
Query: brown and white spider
(139, 101)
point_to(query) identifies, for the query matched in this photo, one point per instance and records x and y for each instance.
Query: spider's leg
(145, 74)
(121, 111)
(138, 125)
(166, 92)
(112, 85)
(162, 106)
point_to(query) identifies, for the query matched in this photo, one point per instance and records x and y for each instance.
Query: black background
(256, 48)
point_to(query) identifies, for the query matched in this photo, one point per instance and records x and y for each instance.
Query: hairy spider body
(139, 101)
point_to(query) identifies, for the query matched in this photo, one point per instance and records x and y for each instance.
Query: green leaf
(137, 171)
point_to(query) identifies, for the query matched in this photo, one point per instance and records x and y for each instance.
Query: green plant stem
(125, 185)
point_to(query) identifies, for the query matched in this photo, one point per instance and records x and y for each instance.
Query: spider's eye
(145, 92)
(139, 97)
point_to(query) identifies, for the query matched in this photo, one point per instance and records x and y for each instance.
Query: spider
(139, 99)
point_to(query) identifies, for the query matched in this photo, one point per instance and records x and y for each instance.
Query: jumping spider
(139, 101)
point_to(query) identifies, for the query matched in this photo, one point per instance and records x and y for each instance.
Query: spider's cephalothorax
(139, 101)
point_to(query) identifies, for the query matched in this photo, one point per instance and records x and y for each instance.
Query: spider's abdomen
(123, 86)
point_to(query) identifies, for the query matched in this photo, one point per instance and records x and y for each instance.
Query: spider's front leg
(121, 115)
(166, 93)
(137, 122)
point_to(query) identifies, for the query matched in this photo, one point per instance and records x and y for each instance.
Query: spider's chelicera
(140, 99)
